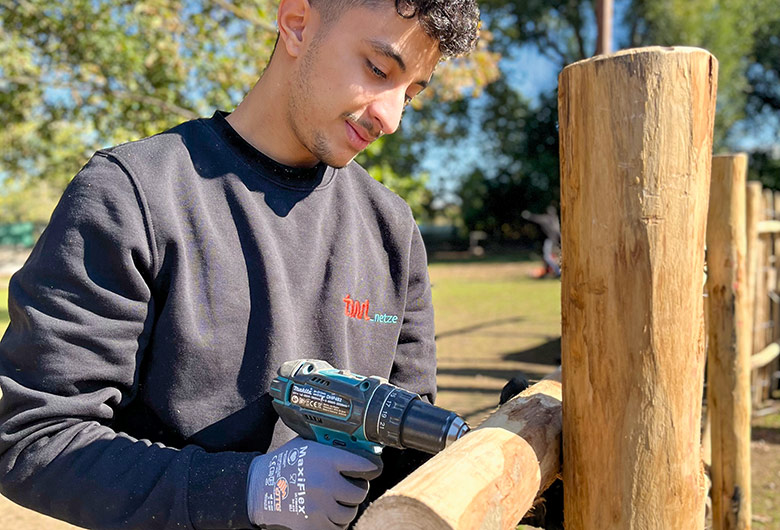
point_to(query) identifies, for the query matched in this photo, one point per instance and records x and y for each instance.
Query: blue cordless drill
(358, 413)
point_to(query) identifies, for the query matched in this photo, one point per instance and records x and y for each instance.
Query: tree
(764, 166)
(523, 137)
(30, 202)
(81, 74)
(77, 75)
(523, 144)
(727, 28)
(763, 75)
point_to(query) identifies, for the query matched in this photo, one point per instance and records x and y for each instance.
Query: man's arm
(82, 312)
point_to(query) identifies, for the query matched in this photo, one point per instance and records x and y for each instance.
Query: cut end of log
(647, 50)
(399, 511)
(641, 56)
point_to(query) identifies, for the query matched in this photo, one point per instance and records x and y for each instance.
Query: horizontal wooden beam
(487, 479)
(765, 356)
(769, 227)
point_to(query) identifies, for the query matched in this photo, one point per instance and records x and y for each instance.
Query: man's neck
(261, 119)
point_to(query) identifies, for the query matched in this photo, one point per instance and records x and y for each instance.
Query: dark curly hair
(453, 23)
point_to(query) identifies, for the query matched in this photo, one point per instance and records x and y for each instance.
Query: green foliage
(561, 29)
(28, 201)
(765, 167)
(413, 188)
(524, 148)
(4, 318)
(726, 28)
(522, 139)
(77, 75)
(80, 74)
(763, 75)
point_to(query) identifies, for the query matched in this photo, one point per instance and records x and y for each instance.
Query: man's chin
(337, 156)
(338, 161)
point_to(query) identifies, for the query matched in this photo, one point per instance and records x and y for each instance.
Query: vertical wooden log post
(728, 370)
(767, 275)
(774, 366)
(636, 142)
(753, 216)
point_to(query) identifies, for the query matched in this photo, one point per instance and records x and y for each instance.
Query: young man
(180, 271)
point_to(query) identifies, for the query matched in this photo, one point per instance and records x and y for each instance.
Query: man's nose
(387, 110)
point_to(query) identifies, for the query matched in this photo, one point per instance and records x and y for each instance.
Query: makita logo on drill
(360, 311)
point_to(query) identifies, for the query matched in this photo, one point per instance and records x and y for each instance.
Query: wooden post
(752, 217)
(728, 370)
(486, 480)
(604, 11)
(775, 365)
(636, 142)
(767, 275)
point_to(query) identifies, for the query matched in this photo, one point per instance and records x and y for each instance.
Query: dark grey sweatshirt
(177, 274)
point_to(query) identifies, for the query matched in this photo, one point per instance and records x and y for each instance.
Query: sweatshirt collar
(288, 176)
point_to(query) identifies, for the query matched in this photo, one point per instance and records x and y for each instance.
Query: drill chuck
(359, 413)
(398, 418)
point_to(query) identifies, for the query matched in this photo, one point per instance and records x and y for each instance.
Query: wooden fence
(765, 246)
(640, 196)
(743, 323)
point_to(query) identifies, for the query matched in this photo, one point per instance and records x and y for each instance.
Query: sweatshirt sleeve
(82, 311)
(414, 367)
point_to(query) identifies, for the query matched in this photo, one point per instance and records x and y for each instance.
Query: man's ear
(292, 18)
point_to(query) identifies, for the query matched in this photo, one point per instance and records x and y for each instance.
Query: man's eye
(376, 71)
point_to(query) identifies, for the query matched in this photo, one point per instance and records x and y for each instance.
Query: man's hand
(306, 485)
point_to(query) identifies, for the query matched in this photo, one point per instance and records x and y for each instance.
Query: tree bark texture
(636, 149)
(730, 327)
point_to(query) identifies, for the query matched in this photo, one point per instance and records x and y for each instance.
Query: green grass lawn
(493, 322)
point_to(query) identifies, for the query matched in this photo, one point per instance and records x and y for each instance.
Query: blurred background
(478, 149)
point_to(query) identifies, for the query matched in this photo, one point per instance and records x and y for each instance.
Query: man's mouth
(357, 135)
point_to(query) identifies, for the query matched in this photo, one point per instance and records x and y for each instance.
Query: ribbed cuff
(217, 490)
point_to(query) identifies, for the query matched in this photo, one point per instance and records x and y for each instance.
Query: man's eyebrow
(388, 50)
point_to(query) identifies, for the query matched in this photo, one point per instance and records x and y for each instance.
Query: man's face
(353, 80)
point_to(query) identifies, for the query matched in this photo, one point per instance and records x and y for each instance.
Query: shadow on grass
(769, 435)
(547, 353)
(494, 373)
(479, 326)
(522, 256)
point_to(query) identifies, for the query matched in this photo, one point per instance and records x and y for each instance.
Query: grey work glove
(306, 485)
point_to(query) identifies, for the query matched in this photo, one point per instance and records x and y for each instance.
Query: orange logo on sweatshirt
(359, 310)
(356, 308)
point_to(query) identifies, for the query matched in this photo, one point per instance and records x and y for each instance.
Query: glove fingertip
(366, 467)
